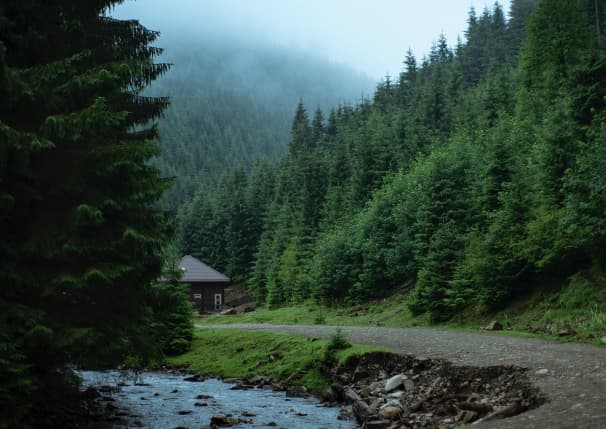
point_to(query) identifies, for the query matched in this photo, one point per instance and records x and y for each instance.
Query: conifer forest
(471, 174)
(465, 180)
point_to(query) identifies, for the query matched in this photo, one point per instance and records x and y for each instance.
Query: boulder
(394, 382)
(603, 339)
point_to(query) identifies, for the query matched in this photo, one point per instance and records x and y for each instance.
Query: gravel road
(575, 383)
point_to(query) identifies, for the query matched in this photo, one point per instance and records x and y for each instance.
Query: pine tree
(80, 242)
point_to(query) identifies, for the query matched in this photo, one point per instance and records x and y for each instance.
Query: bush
(337, 342)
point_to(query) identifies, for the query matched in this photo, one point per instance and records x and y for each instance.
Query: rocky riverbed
(164, 400)
(387, 390)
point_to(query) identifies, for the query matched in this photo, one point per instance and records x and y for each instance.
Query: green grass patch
(391, 312)
(578, 305)
(241, 354)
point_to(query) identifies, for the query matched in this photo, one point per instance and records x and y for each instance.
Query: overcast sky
(370, 35)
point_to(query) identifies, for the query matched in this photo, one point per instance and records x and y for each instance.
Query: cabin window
(197, 296)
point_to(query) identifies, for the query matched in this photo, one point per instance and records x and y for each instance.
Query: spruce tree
(79, 242)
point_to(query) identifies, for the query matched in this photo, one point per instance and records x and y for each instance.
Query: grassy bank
(577, 308)
(243, 354)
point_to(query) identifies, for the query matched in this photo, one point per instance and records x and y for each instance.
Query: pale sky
(371, 36)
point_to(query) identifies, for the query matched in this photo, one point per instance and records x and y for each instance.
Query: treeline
(232, 104)
(81, 246)
(468, 175)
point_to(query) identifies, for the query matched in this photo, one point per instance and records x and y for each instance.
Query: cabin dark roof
(195, 270)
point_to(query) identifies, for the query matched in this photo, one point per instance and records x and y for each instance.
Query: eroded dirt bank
(571, 376)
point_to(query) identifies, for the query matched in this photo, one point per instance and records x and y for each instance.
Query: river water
(157, 401)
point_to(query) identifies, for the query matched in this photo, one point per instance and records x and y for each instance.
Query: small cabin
(206, 285)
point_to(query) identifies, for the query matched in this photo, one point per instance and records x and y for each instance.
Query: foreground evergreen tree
(79, 241)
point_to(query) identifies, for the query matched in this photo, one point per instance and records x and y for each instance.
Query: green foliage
(234, 353)
(336, 343)
(471, 176)
(80, 241)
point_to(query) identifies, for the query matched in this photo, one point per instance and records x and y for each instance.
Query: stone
(296, 392)
(409, 385)
(566, 333)
(494, 326)
(350, 395)
(394, 382)
(361, 410)
(390, 413)
(346, 413)
(377, 424)
(204, 397)
(184, 412)
(392, 403)
(603, 339)
(542, 371)
(195, 378)
(376, 404)
(257, 379)
(228, 311)
(222, 420)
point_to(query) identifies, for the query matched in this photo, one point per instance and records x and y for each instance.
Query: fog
(371, 36)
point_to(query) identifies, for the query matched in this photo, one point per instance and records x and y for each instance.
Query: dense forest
(81, 244)
(231, 106)
(476, 171)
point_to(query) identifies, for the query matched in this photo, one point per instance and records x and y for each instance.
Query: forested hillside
(232, 102)
(476, 171)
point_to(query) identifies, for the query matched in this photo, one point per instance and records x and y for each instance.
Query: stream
(159, 400)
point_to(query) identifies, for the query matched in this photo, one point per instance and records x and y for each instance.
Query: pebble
(542, 371)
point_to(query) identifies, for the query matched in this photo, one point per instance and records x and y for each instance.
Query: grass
(392, 312)
(578, 306)
(243, 354)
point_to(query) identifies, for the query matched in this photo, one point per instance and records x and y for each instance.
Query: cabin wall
(202, 296)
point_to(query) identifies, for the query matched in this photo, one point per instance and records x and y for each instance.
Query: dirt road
(575, 380)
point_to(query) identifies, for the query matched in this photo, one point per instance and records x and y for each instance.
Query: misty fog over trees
(232, 102)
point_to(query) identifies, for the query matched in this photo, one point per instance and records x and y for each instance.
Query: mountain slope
(232, 104)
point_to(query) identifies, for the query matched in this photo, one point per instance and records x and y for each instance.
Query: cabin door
(218, 301)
